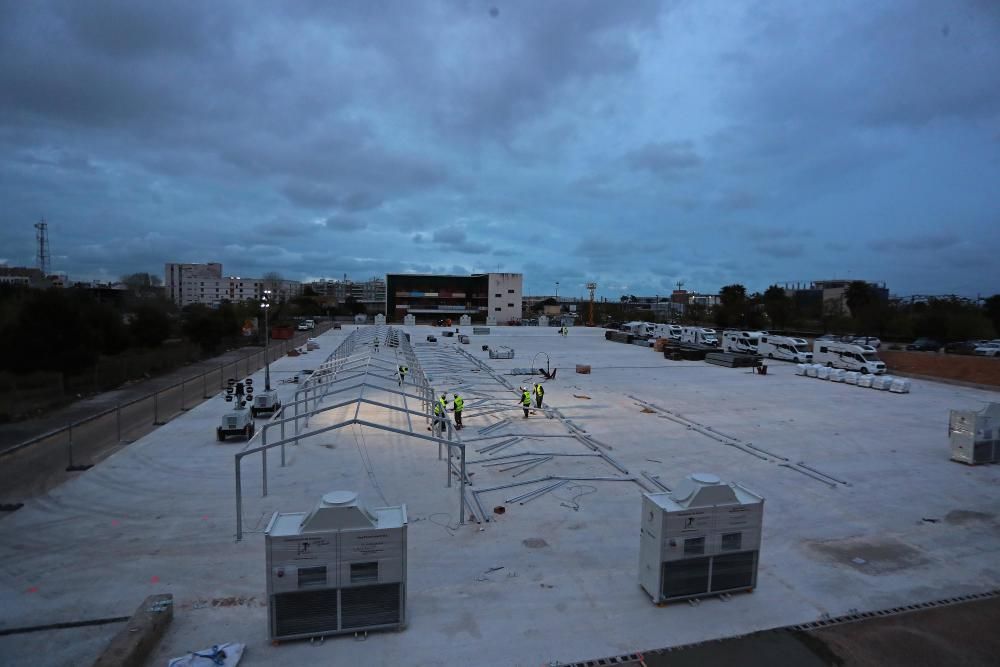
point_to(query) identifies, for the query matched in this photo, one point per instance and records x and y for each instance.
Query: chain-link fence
(83, 440)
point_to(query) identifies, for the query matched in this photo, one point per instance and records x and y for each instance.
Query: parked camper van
(699, 336)
(784, 347)
(671, 331)
(848, 356)
(741, 341)
(637, 328)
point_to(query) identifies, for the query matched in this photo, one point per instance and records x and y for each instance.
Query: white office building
(186, 284)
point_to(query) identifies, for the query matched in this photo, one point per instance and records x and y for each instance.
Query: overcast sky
(633, 143)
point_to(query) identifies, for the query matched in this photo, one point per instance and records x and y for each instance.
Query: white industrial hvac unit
(975, 436)
(702, 538)
(340, 568)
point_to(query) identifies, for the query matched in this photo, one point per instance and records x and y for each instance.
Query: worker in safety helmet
(440, 406)
(458, 405)
(539, 394)
(525, 401)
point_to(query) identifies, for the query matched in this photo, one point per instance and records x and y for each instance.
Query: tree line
(863, 310)
(68, 330)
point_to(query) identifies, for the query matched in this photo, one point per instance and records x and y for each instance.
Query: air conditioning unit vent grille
(368, 606)
(305, 612)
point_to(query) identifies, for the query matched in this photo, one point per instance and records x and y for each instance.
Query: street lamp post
(266, 306)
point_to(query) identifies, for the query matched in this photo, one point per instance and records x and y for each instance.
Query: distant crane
(42, 236)
(591, 287)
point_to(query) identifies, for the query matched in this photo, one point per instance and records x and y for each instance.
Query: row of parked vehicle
(982, 348)
(852, 354)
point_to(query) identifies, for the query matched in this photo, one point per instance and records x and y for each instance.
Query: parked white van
(672, 331)
(848, 356)
(741, 341)
(784, 347)
(637, 328)
(699, 336)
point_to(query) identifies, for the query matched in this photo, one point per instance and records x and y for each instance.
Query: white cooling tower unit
(702, 538)
(975, 436)
(340, 568)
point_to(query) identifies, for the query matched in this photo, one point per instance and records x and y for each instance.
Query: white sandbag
(882, 382)
(851, 377)
(900, 386)
(866, 380)
(811, 370)
(823, 373)
(800, 369)
(837, 374)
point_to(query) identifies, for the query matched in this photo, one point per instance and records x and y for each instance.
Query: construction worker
(376, 345)
(539, 393)
(440, 405)
(458, 405)
(525, 401)
(402, 374)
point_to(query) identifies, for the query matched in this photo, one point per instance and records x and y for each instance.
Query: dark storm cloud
(343, 223)
(918, 242)
(455, 238)
(780, 249)
(311, 195)
(665, 159)
(649, 142)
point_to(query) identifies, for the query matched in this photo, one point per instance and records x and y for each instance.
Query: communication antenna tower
(592, 287)
(42, 236)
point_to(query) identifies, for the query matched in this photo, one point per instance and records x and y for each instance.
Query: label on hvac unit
(369, 544)
(692, 521)
(737, 517)
(310, 548)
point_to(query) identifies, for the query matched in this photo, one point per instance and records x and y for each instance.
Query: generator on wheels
(238, 421)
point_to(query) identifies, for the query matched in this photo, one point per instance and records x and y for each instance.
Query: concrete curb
(133, 643)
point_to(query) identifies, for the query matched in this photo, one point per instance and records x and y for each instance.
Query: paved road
(33, 470)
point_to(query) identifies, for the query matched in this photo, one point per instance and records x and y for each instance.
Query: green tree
(732, 310)
(60, 330)
(858, 296)
(778, 306)
(991, 308)
(150, 325)
(142, 280)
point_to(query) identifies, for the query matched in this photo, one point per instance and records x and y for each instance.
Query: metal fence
(85, 439)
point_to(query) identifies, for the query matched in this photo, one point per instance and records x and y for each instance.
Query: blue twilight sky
(633, 143)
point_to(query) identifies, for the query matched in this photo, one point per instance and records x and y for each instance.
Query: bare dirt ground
(978, 370)
(960, 634)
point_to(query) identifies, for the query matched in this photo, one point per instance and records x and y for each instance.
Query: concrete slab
(909, 525)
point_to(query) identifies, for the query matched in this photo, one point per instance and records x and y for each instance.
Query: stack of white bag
(880, 382)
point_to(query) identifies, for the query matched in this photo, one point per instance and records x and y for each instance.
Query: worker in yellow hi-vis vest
(458, 405)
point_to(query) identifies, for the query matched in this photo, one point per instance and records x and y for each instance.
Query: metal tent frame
(345, 365)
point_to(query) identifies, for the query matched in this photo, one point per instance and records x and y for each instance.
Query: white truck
(699, 336)
(848, 356)
(741, 341)
(784, 347)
